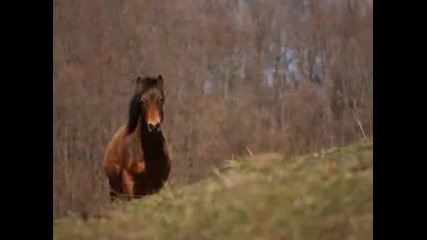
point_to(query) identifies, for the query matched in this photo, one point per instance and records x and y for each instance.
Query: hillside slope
(321, 196)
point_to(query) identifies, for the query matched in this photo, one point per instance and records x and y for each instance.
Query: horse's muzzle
(153, 127)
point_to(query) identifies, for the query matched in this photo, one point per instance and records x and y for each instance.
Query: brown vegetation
(285, 76)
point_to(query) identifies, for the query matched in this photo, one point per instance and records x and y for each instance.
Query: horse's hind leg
(115, 187)
(140, 190)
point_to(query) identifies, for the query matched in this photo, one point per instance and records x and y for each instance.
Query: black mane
(134, 113)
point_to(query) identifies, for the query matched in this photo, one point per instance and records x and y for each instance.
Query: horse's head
(151, 100)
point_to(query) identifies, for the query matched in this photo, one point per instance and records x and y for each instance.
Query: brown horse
(136, 160)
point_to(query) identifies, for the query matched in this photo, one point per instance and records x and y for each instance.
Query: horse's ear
(160, 81)
(139, 83)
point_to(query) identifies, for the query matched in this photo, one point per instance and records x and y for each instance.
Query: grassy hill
(327, 195)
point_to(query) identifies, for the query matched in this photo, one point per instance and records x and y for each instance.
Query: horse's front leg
(128, 184)
(115, 186)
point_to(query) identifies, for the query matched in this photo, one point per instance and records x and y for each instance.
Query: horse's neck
(151, 143)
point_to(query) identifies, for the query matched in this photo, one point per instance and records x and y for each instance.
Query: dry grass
(327, 195)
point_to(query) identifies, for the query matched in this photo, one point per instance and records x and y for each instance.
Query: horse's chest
(157, 170)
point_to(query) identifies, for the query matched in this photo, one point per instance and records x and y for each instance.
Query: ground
(325, 195)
